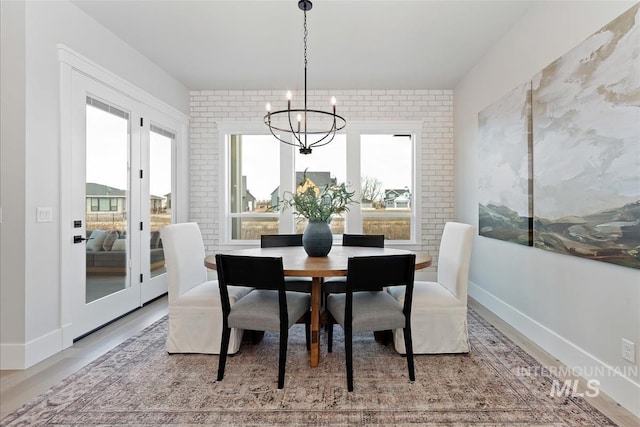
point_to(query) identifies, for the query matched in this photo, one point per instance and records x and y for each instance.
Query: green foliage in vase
(318, 204)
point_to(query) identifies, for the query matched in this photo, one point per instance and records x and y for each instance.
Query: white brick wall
(433, 107)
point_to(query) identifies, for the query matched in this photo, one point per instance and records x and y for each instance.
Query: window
(386, 165)
(326, 165)
(104, 204)
(254, 185)
(376, 160)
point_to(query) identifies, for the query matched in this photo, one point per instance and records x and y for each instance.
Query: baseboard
(67, 335)
(612, 380)
(23, 356)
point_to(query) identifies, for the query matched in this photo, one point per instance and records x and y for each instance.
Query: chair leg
(307, 329)
(409, 347)
(224, 348)
(284, 337)
(348, 344)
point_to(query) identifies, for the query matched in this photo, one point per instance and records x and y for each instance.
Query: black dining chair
(337, 284)
(298, 284)
(366, 306)
(364, 240)
(268, 307)
(280, 240)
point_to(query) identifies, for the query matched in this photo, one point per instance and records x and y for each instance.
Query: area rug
(138, 383)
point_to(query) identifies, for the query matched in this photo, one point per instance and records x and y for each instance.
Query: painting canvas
(504, 185)
(586, 147)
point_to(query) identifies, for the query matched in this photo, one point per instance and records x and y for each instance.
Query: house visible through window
(386, 165)
(326, 165)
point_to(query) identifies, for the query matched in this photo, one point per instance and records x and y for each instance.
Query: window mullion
(287, 178)
(353, 218)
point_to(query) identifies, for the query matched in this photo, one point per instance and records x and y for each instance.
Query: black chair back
(280, 240)
(375, 272)
(337, 284)
(364, 240)
(298, 284)
(254, 272)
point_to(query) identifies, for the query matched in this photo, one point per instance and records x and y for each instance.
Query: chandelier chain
(306, 33)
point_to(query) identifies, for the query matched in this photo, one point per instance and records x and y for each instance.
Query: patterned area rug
(138, 383)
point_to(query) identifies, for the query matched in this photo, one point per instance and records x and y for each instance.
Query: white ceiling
(352, 44)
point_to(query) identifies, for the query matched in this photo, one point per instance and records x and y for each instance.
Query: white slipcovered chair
(439, 309)
(195, 312)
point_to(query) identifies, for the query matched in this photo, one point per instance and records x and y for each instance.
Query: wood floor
(18, 387)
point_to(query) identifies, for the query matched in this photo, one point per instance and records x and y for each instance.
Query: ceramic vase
(317, 239)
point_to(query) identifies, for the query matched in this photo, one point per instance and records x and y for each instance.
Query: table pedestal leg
(316, 291)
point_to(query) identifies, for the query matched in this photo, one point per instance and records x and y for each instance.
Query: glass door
(107, 196)
(119, 150)
(105, 151)
(157, 183)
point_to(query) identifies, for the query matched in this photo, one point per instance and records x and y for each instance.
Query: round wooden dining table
(297, 263)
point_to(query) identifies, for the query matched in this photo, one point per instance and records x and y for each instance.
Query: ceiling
(352, 44)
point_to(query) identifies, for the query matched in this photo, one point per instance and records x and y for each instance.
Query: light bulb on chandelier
(305, 134)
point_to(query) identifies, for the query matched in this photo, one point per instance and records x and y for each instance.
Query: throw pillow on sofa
(119, 245)
(109, 240)
(96, 240)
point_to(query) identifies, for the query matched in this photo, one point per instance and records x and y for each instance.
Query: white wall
(31, 325)
(576, 309)
(12, 182)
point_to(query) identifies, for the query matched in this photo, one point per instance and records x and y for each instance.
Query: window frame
(354, 217)
(226, 217)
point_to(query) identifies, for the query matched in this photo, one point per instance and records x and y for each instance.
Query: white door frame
(72, 62)
(152, 287)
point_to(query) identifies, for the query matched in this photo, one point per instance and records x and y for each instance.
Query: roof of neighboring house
(393, 193)
(248, 196)
(93, 189)
(320, 179)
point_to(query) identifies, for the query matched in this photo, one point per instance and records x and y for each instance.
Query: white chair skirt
(435, 332)
(195, 320)
(438, 320)
(198, 330)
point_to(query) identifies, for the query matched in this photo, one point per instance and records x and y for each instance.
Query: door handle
(78, 239)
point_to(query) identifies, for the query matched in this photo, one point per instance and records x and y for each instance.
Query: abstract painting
(586, 147)
(504, 176)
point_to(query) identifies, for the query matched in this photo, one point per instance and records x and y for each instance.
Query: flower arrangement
(318, 204)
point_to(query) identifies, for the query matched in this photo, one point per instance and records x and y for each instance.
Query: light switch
(44, 214)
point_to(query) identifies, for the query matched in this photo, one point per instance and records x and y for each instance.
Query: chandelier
(306, 134)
